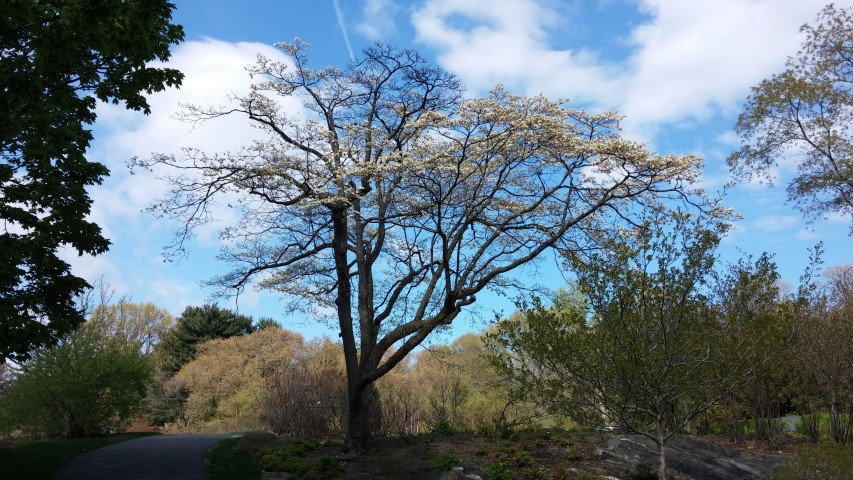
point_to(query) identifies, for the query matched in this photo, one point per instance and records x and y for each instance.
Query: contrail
(343, 28)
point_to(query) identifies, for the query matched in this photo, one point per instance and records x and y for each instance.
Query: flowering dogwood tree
(393, 202)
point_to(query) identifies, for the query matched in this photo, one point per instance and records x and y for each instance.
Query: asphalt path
(158, 457)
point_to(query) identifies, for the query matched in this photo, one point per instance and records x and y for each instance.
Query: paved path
(158, 457)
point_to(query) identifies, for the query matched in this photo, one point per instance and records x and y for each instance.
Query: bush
(446, 462)
(444, 428)
(524, 459)
(574, 455)
(290, 459)
(498, 470)
(824, 461)
(87, 385)
(822, 420)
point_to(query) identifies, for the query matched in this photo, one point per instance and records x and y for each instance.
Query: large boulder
(635, 457)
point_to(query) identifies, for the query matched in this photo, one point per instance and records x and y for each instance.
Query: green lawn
(41, 460)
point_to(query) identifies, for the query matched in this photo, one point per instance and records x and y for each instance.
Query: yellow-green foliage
(86, 385)
(226, 378)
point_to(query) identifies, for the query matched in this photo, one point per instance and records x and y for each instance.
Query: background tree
(307, 394)
(5, 378)
(823, 355)
(647, 358)
(747, 299)
(806, 112)
(402, 399)
(143, 324)
(456, 384)
(225, 380)
(266, 322)
(395, 203)
(59, 58)
(195, 326)
(87, 384)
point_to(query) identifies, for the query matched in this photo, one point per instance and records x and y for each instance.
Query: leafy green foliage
(444, 428)
(446, 462)
(266, 322)
(59, 57)
(291, 458)
(141, 323)
(472, 190)
(823, 370)
(806, 109)
(573, 454)
(498, 470)
(86, 385)
(195, 326)
(640, 348)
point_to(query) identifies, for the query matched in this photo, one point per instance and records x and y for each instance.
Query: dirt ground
(534, 456)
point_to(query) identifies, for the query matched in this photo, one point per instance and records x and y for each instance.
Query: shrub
(446, 462)
(86, 385)
(524, 459)
(290, 459)
(498, 470)
(536, 472)
(573, 455)
(444, 428)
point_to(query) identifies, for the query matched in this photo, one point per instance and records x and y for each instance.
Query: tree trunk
(661, 450)
(360, 403)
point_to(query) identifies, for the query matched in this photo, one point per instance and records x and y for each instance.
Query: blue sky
(678, 71)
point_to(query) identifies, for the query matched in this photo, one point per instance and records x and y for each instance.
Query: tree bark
(359, 420)
(661, 438)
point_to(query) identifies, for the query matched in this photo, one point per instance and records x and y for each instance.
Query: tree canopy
(641, 345)
(805, 113)
(59, 58)
(195, 326)
(394, 202)
(86, 385)
(143, 324)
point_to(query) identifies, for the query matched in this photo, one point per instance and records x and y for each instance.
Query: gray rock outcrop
(635, 457)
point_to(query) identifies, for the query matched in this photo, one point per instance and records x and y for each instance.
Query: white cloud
(486, 43)
(729, 139)
(807, 234)
(838, 218)
(214, 72)
(690, 60)
(377, 19)
(775, 223)
(695, 57)
(91, 268)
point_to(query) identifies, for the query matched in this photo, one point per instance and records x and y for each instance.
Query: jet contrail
(343, 28)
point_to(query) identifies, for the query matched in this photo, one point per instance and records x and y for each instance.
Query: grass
(224, 461)
(826, 461)
(41, 460)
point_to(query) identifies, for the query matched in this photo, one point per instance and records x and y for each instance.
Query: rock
(635, 456)
(577, 473)
(458, 473)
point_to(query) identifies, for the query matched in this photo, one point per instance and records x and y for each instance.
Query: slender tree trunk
(661, 450)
